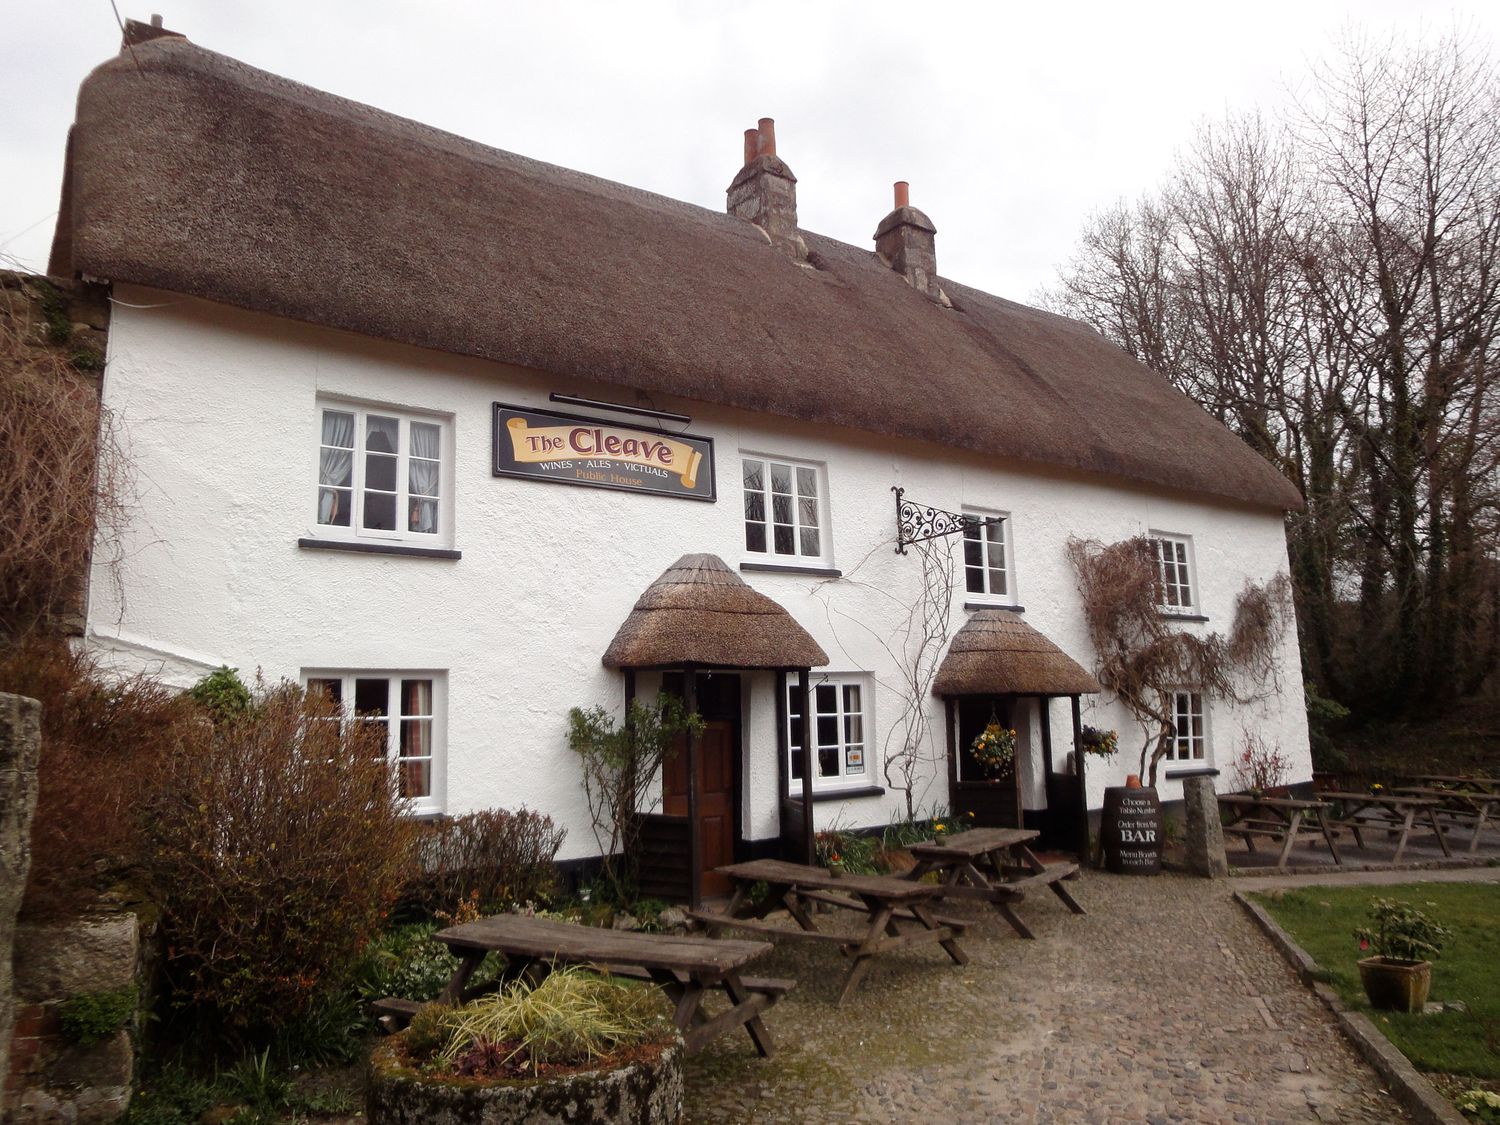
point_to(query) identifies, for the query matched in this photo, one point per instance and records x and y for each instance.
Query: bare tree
(1326, 286)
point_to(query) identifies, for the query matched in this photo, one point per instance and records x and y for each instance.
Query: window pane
(338, 429)
(854, 759)
(331, 690)
(794, 731)
(755, 476)
(784, 545)
(973, 551)
(416, 697)
(807, 512)
(423, 517)
(997, 581)
(372, 696)
(380, 511)
(974, 580)
(755, 537)
(854, 729)
(334, 506)
(755, 507)
(416, 778)
(828, 730)
(828, 761)
(426, 441)
(796, 764)
(336, 467)
(807, 482)
(826, 699)
(810, 542)
(781, 508)
(382, 435)
(995, 533)
(781, 478)
(380, 472)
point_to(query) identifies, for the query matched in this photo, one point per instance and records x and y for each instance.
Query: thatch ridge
(996, 653)
(192, 172)
(700, 612)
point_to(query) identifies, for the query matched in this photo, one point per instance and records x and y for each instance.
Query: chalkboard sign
(1130, 831)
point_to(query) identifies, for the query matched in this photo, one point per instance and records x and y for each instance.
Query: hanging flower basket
(995, 749)
(1104, 743)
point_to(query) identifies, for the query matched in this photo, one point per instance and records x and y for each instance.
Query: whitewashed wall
(217, 408)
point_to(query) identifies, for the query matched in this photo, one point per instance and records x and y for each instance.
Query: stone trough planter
(648, 1090)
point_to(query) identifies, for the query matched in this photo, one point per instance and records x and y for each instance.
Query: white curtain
(425, 466)
(335, 465)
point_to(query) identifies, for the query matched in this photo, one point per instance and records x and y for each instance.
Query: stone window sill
(1171, 615)
(792, 568)
(995, 605)
(378, 549)
(819, 797)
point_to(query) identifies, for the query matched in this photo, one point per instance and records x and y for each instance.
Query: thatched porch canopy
(701, 613)
(996, 653)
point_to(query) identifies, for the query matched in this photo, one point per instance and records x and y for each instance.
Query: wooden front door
(718, 754)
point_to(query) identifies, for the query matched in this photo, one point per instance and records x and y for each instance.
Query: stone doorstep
(1416, 1094)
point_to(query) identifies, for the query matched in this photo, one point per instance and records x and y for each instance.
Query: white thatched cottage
(424, 423)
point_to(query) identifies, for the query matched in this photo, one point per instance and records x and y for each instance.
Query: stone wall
(53, 1077)
(20, 743)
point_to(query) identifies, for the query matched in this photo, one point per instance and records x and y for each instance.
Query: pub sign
(568, 449)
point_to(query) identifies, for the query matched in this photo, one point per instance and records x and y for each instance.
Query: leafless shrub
(500, 856)
(1144, 659)
(103, 743)
(278, 848)
(62, 475)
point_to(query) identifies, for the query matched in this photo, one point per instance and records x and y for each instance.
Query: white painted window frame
(1180, 749)
(844, 780)
(356, 532)
(1170, 572)
(986, 546)
(435, 801)
(819, 472)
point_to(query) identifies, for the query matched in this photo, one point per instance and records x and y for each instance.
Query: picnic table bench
(686, 967)
(1278, 818)
(993, 865)
(1461, 781)
(1461, 805)
(1395, 812)
(884, 900)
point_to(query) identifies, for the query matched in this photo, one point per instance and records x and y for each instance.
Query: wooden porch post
(808, 852)
(1083, 786)
(948, 705)
(1044, 702)
(695, 844)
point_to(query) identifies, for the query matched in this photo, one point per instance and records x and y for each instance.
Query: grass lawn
(1323, 920)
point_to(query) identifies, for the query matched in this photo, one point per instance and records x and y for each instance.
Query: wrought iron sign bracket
(917, 523)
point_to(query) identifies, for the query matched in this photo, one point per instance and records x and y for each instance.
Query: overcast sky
(1012, 123)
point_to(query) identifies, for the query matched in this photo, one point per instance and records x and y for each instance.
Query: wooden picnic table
(885, 900)
(1279, 818)
(687, 968)
(1395, 812)
(993, 865)
(1459, 805)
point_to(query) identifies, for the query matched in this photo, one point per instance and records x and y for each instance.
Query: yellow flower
(937, 828)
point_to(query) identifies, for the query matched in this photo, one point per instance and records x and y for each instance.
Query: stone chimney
(765, 192)
(906, 241)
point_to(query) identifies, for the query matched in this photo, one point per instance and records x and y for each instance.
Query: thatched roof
(701, 612)
(193, 172)
(996, 653)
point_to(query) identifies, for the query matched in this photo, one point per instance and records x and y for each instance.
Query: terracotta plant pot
(1396, 986)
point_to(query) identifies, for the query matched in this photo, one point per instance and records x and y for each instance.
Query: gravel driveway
(1163, 1004)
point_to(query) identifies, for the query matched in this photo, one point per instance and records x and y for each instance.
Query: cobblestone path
(1164, 1004)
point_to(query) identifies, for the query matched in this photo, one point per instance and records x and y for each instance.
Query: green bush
(222, 694)
(500, 856)
(408, 962)
(277, 854)
(1401, 932)
(94, 1016)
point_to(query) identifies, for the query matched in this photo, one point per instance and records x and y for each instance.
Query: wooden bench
(1277, 818)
